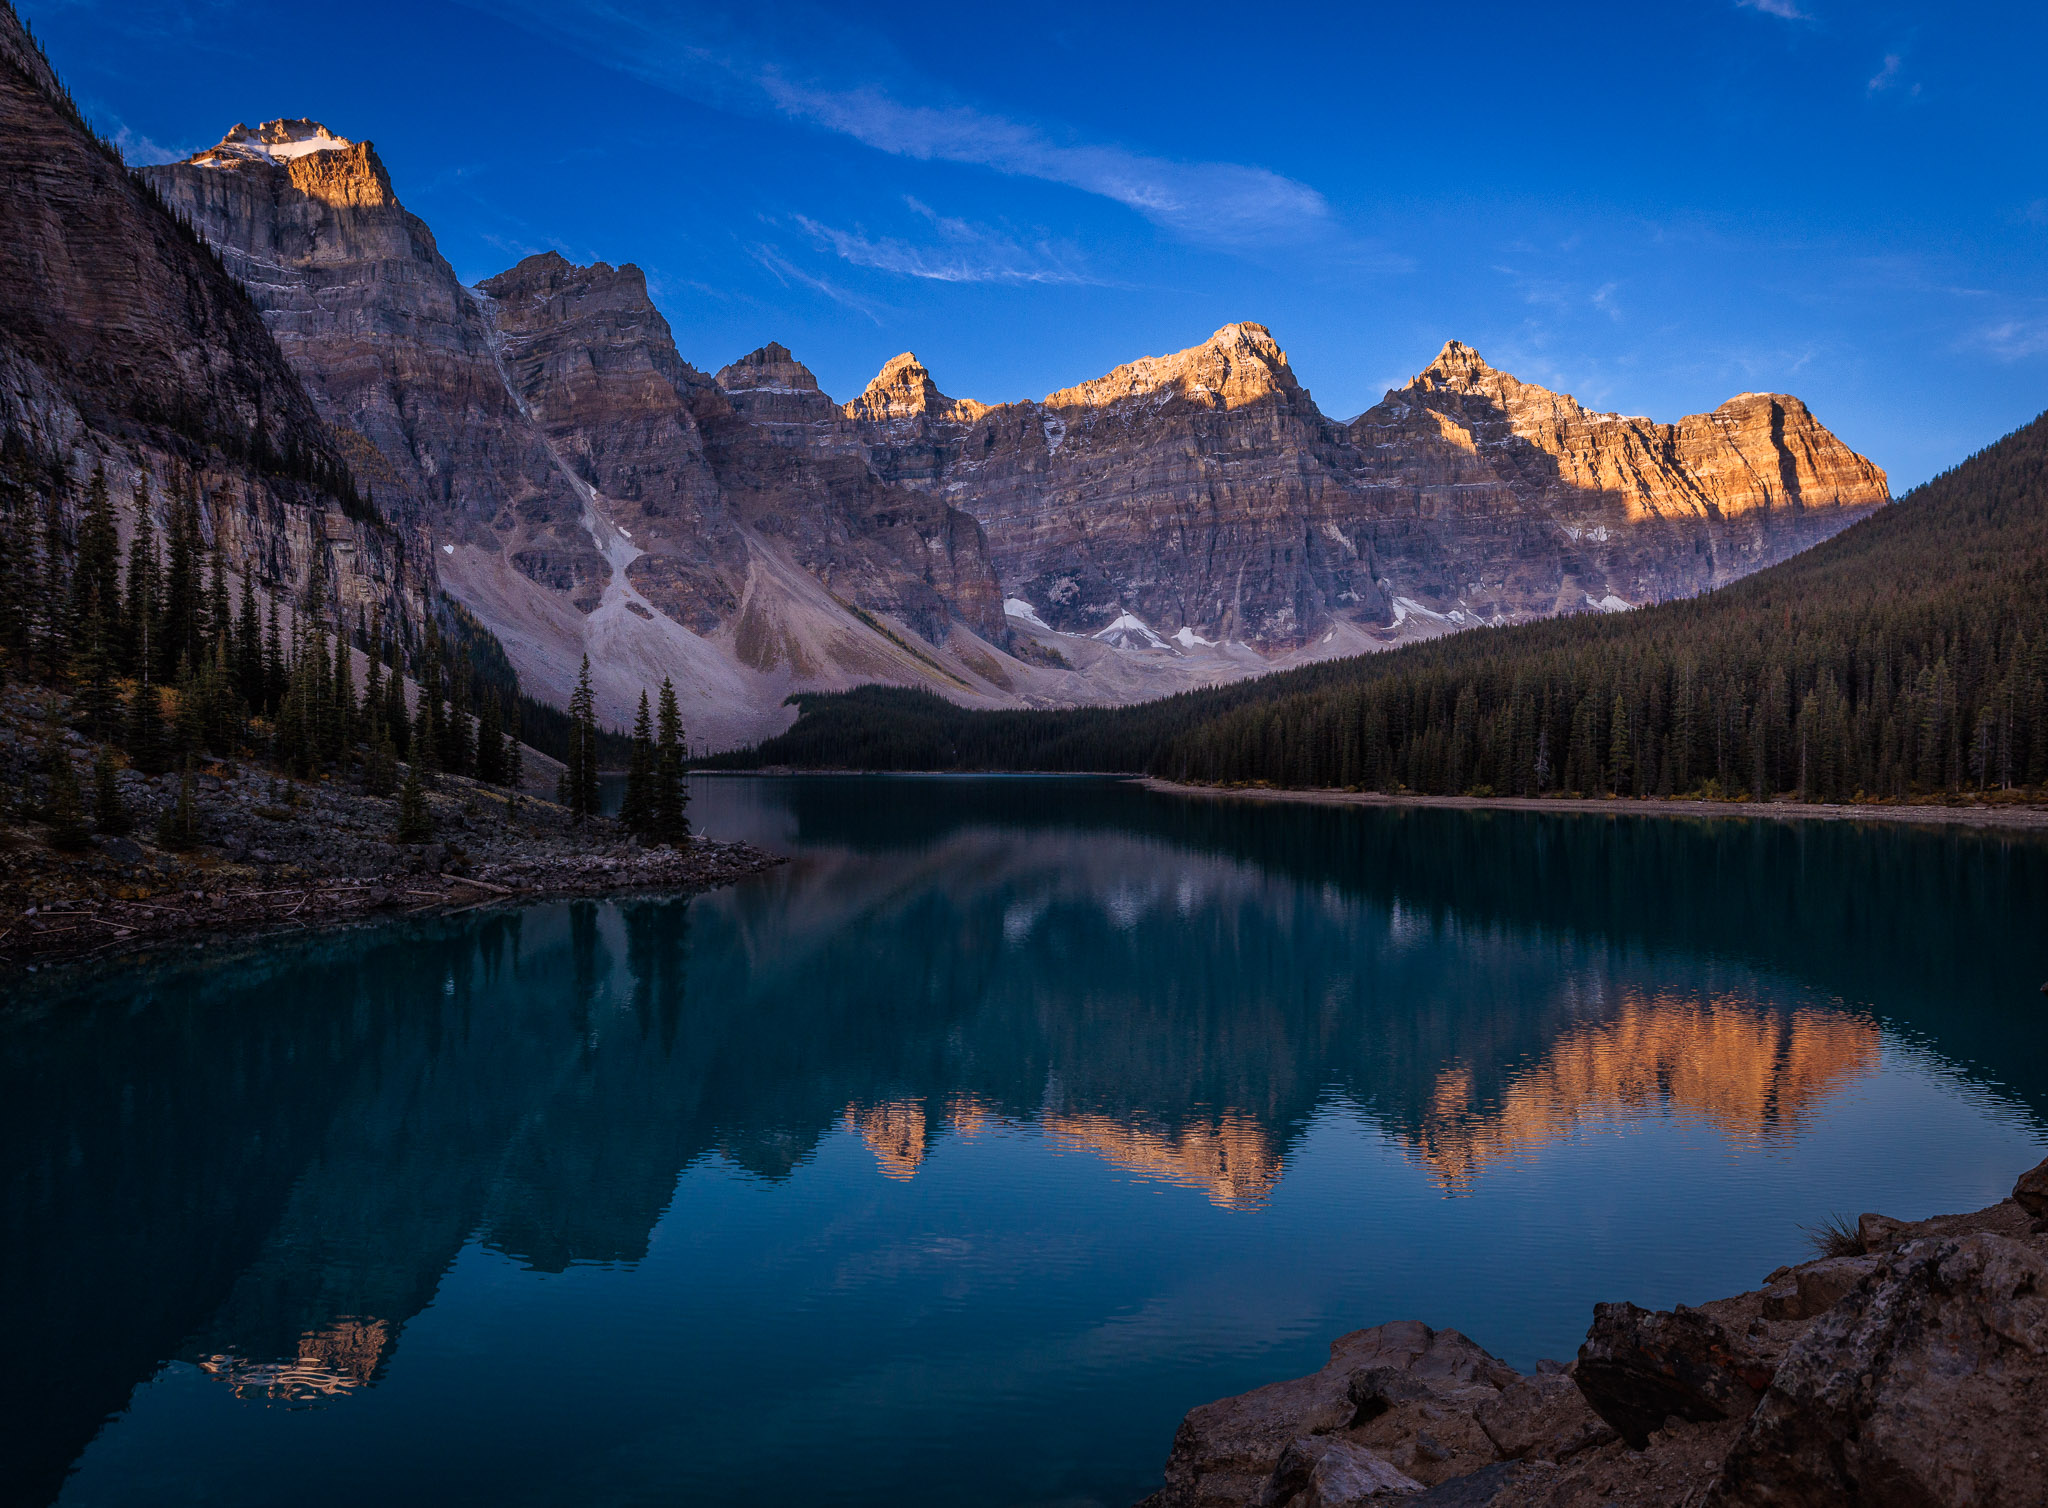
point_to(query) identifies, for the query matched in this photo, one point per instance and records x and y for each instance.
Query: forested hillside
(1907, 656)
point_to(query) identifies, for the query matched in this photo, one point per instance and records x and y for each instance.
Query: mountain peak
(904, 389)
(770, 369)
(275, 141)
(1241, 363)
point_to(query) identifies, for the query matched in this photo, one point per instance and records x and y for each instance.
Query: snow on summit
(273, 141)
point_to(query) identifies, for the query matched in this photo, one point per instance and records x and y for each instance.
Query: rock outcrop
(1205, 492)
(589, 490)
(124, 344)
(1913, 1372)
(1182, 520)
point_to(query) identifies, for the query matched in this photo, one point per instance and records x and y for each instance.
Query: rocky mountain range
(125, 344)
(1180, 521)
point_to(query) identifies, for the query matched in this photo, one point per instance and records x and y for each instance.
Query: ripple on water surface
(951, 1163)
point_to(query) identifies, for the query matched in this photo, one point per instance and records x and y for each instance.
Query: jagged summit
(1240, 364)
(904, 389)
(273, 141)
(771, 369)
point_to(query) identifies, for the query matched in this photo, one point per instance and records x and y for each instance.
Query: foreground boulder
(1400, 1410)
(1639, 1368)
(1911, 1374)
(1927, 1384)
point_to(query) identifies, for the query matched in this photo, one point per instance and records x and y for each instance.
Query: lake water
(952, 1162)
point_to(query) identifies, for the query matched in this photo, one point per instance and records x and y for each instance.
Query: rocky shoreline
(277, 854)
(2024, 815)
(1908, 1365)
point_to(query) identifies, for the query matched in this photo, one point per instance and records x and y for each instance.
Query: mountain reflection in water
(1046, 1015)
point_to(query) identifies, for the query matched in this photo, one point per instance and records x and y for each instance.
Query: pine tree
(95, 580)
(490, 740)
(636, 809)
(1620, 756)
(65, 812)
(397, 723)
(415, 818)
(578, 788)
(141, 606)
(148, 749)
(457, 755)
(109, 813)
(380, 769)
(515, 752)
(341, 703)
(183, 632)
(178, 828)
(248, 646)
(671, 793)
(53, 594)
(92, 672)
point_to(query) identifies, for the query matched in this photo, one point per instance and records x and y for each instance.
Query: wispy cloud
(790, 275)
(961, 253)
(138, 150)
(2014, 339)
(711, 59)
(1784, 10)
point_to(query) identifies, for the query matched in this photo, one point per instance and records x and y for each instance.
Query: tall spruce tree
(671, 792)
(636, 808)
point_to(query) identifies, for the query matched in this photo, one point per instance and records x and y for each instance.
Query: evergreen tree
(397, 722)
(178, 828)
(380, 769)
(341, 703)
(109, 813)
(52, 598)
(415, 818)
(92, 673)
(1620, 756)
(248, 647)
(490, 740)
(671, 793)
(65, 812)
(142, 608)
(457, 754)
(273, 659)
(579, 778)
(636, 809)
(183, 630)
(515, 751)
(96, 579)
(148, 748)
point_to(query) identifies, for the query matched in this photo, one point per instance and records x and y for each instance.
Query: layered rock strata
(1911, 1368)
(1179, 521)
(589, 491)
(1205, 492)
(125, 345)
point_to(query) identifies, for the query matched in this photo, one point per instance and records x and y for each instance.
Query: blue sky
(1651, 206)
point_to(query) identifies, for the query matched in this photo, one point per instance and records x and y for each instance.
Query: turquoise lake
(952, 1162)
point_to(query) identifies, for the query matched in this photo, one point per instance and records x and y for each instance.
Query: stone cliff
(589, 490)
(1182, 520)
(124, 344)
(1205, 494)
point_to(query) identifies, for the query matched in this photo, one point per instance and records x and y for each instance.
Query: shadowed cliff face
(1181, 520)
(1205, 491)
(590, 491)
(124, 344)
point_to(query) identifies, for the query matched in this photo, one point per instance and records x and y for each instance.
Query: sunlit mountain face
(1006, 1104)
